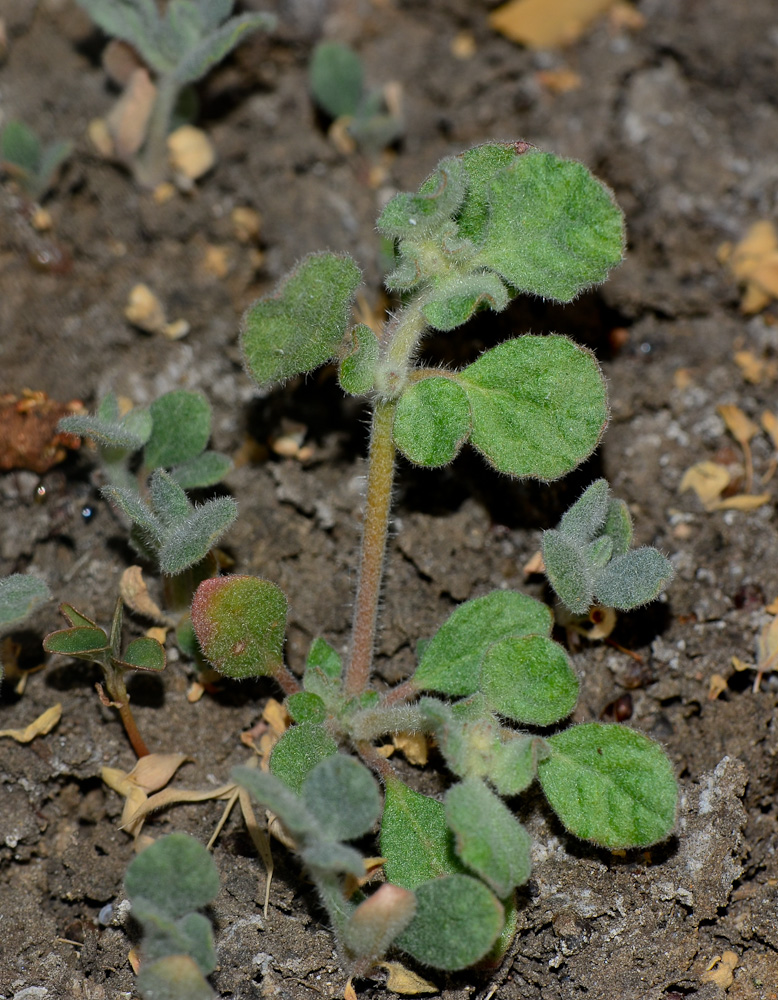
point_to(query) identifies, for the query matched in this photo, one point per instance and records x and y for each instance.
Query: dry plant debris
(28, 431)
(754, 263)
(544, 24)
(40, 727)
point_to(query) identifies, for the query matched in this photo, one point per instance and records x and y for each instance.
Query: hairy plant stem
(286, 680)
(377, 504)
(151, 164)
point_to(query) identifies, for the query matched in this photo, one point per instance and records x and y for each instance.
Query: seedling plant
(28, 161)
(179, 47)
(491, 686)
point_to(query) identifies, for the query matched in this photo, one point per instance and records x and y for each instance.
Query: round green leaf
(452, 659)
(298, 752)
(343, 796)
(457, 921)
(176, 874)
(432, 421)
(553, 229)
(568, 572)
(145, 654)
(180, 429)
(75, 641)
(538, 405)
(611, 785)
(240, 623)
(304, 706)
(529, 679)
(301, 325)
(488, 838)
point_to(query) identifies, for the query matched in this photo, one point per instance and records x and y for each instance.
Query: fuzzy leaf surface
(452, 302)
(529, 679)
(130, 503)
(133, 21)
(538, 405)
(176, 874)
(357, 368)
(203, 470)
(176, 977)
(568, 572)
(240, 623)
(514, 764)
(181, 426)
(275, 795)
(301, 325)
(168, 499)
(633, 579)
(191, 540)
(304, 706)
(343, 796)
(438, 199)
(618, 526)
(298, 752)
(488, 838)
(585, 519)
(432, 421)
(553, 229)
(191, 935)
(331, 856)
(111, 433)
(610, 784)
(415, 838)
(452, 659)
(457, 921)
(19, 595)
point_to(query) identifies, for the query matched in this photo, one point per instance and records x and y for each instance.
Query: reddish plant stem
(377, 505)
(400, 694)
(286, 679)
(131, 728)
(373, 759)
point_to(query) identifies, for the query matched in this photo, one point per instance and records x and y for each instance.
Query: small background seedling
(496, 221)
(85, 640)
(167, 884)
(179, 47)
(336, 79)
(29, 162)
(19, 596)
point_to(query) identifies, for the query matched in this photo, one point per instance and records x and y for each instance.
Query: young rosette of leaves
(302, 324)
(533, 407)
(588, 557)
(498, 220)
(166, 884)
(32, 165)
(240, 622)
(610, 785)
(499, 645)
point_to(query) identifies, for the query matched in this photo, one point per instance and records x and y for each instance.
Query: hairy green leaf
(130, 503)
(610, 785)
(585, 519)
(618, 526)
(457, 921)
(452, 301)
(19, 147)
(304, 706)
(632, 579)
(377, 921)
(529, 679)
(168, 500)
(203, 470)
(181, 426)
(432, 421)
(19, 596)
(276, 795)
(343, 796)
(301, 325)
(329, 856)
(162, 936)
(358, 366)
(176, 874)
(538, 405)
(190, 541)
(514, 763)
(482, 164)
(553, 229)
(240, 623)
(488, 838)
(133, 21)
(452, 659)
(415, 215)
(415, 839)
(112, 433)
(568, 572)
(298, 752)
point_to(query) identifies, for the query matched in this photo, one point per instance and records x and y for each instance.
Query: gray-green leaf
(432, 421)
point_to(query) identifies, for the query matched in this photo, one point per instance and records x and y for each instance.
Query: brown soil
(680, 118)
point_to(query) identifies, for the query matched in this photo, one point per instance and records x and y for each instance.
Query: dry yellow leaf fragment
(402, 980)
(145, 310)
(740, 426)
(545, 24)
(720, 970)
(708, 480)
(754, 263)
(135, 594)
(40, 727)
(413, 746)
